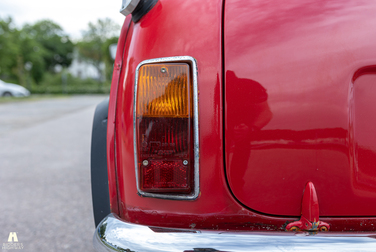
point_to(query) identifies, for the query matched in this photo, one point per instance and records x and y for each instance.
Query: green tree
(33, 53)
(108, 60)
(17, 49)
(9, 48)
(58, 48)
(35, 48)
(93, 48)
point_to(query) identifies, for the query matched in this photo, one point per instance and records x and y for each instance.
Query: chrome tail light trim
(196, 188)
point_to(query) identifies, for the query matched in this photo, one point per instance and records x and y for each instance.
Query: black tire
(7, 94)
(99, 178)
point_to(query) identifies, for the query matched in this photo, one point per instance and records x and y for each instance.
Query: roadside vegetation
(39, 57)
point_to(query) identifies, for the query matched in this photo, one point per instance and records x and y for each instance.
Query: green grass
(53, 84)
(33, 97)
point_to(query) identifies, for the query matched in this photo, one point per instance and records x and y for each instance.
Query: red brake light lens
(164, 123)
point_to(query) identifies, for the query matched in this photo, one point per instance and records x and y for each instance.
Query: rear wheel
(7, 94)
(99, 178)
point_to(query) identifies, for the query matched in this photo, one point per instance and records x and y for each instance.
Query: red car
(233, 117)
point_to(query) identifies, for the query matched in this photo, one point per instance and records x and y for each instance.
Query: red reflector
(160, 174)
(164, 156)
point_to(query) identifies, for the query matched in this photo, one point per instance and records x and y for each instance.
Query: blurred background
(55, 67)
(59, 48)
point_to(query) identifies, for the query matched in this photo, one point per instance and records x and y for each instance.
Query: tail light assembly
(166, 128)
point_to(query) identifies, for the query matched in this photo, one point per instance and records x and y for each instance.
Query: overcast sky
(72, 15)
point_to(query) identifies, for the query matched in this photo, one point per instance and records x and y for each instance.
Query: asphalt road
(45, 192)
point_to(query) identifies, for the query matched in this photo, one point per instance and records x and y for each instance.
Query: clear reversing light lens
(164, 123)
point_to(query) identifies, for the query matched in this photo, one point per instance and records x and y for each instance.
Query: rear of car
(236, 116)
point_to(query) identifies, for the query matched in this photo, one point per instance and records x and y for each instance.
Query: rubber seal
(143, 7)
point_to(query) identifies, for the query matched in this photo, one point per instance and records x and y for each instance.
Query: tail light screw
(163, 70)
(185, 162)
(145, 162)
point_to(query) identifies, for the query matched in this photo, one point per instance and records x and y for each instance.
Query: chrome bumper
(113, 234)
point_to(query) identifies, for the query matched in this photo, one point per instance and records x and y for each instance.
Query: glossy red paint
(310, 219)
(165, 32)
(116, 77)
(307, 117)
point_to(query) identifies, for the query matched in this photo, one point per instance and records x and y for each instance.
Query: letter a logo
(12, 237)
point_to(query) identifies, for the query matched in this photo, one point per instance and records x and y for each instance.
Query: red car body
(286, 96)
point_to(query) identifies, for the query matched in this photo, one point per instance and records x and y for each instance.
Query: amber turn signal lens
(163, 90)
(163, 127)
